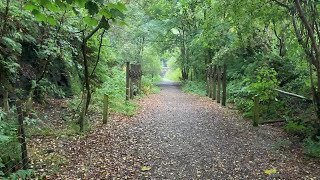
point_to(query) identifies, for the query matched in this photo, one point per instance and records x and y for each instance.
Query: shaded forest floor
(174, 136)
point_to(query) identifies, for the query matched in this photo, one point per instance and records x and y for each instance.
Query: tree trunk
(6, 106)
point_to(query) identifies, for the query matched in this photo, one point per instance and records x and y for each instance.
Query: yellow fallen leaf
(145, 168)
(270, 171)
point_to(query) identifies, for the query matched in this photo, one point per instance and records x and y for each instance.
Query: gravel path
(183, 136)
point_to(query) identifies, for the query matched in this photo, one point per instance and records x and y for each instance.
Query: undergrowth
(194, 87)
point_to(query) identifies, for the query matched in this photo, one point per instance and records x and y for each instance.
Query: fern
(13, 45)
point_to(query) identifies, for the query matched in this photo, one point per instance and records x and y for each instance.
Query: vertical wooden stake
(22, 137)
(131, 80)
(256, 110)
(210, 81)
(105, 109)
(219, 84)
(207, 82)
(139, 81)
(224, 85)
(214, 84)
(127, 81)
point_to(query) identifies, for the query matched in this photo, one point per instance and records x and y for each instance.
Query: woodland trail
(183, 136)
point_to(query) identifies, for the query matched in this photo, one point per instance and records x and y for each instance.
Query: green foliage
(148, 85)
(312, 147)
(20, 174)
(174, 75)
(114, 86)
(174, 72)
(9, 144)
(194, 87)
(264, 84)
(295, 128)
(45, 87)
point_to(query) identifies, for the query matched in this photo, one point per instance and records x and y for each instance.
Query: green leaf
(29, 6)
(76, 11)
(13, 45)
(44, 2)
(81, 3)
(92, 7)
(106, 13)
(119, 6)
(270, 171)
(34, 84)
(52, 7)
(122, 23)
(90, 21)
(116, 13)
(145, 168)
(38, 16)
(4, 138)
(51, 21)
(61, 4)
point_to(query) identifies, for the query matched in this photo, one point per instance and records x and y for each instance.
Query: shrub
(148, 85)
(195, 87)
(312, 147)
(295, 128)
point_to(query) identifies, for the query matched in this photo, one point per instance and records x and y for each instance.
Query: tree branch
(281, 4)
(304, 20)
(99, 52)
(5, 19)
(99, 26)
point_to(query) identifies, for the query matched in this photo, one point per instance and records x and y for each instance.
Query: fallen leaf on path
(145, 168)
(270, 171)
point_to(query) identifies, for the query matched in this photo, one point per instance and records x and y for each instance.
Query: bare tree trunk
(6, 106)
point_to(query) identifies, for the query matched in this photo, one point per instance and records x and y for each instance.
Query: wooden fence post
(219, 85)
(131, 80)
(140, 79)
(224, 85)
(22, 137)
(210, 81)
(127, 81)
(207, 81)
(256, 110)
(105, 109)
(214, 83)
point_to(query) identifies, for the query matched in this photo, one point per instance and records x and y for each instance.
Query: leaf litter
(174, 136)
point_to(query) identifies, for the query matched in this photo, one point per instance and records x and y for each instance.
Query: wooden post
(210, 81)
(214, 83)
(22, 137)
(82, 114)
(105, 109)
(224, 85)
(219, 84)
(127, 81)
(207, 81)
(139, 77)
(131, 80)
(256, 110)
